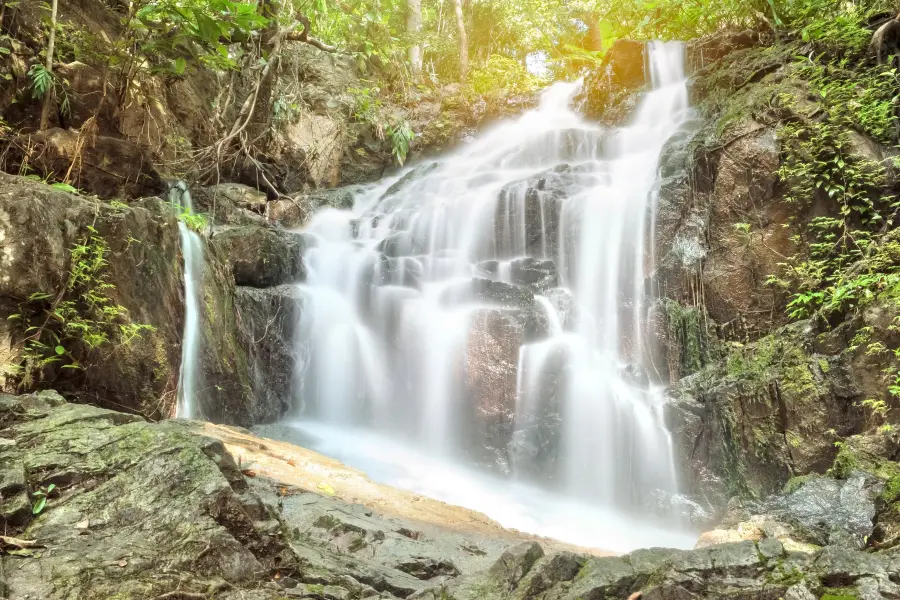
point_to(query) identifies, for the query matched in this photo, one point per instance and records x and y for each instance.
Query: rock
(135, 473)
(539, 275)
(535, 203)
(240, 196)
(608, 577)
(266, 319)
(38, 227)
(829, 511)
(39, 221)
(710, 49)
(262, 256)
(401, 244)
(339, 198)
(798, 592)
(287, 213)
(547, 572)
(104, 166)
(418, 173)
(622, 72)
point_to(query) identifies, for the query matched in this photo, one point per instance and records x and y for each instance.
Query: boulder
(262, 256)
(139, 511)
(830, 511)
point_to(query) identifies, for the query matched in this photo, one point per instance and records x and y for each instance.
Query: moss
(824, 366)
(795, 483)
(891, 492)
(688, 327)
(839, 594)
(850, 458)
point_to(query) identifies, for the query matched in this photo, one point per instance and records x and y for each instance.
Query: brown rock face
(40, 225)
(104, 166)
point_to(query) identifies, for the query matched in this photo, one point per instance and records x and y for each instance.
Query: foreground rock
(165, 511)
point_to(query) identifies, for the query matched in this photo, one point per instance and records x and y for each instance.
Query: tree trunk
(48, 94)
(414, 28)
(463, 42)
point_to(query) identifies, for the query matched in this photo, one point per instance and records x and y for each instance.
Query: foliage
(41, 498)
(194, 221)
(44, 82)
(61, 331)
(400, 135)
(502, 75)
(368, 108)
(202, 30)
(845, 256)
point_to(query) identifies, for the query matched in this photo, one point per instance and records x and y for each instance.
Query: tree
(51, 42)
(414, 29)
(463, 41)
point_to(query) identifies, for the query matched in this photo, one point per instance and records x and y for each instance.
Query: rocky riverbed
(189, 510)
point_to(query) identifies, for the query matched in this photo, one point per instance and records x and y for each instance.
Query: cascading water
(192, 250)
(494, 301)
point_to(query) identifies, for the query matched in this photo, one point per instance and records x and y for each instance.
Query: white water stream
(402, 337)
(192, 250)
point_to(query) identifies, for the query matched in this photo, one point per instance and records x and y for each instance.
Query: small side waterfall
(489, 309)
(192, 250)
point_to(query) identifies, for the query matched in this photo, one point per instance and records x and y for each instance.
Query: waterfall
(487, 310)
(192, 250)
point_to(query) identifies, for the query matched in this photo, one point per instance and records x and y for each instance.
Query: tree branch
(303, 36)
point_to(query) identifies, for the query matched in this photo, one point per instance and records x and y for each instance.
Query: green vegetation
(62, 331)
(40, 497)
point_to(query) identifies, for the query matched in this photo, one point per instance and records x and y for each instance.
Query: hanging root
(885, 44)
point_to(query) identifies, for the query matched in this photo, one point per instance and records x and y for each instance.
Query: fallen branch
(11, 542)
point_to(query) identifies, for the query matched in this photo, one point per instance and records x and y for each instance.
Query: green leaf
(60, 350)
(39, 505)
(65, 187)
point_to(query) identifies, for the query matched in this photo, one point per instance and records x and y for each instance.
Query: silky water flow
(487, 309)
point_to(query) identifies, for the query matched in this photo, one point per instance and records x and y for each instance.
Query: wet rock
(490, 372)
(267, 319)
(635, 375)
(262, 256)
(339, 198)
(829, 511)
(503, 294)
(539, 275)
(416, 174)
(401, 244)
(534, 203)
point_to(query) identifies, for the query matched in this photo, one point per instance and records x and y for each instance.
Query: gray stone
(798, 592)
(831, 511)
(770, 548)
(262, 256)
(602, 578)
